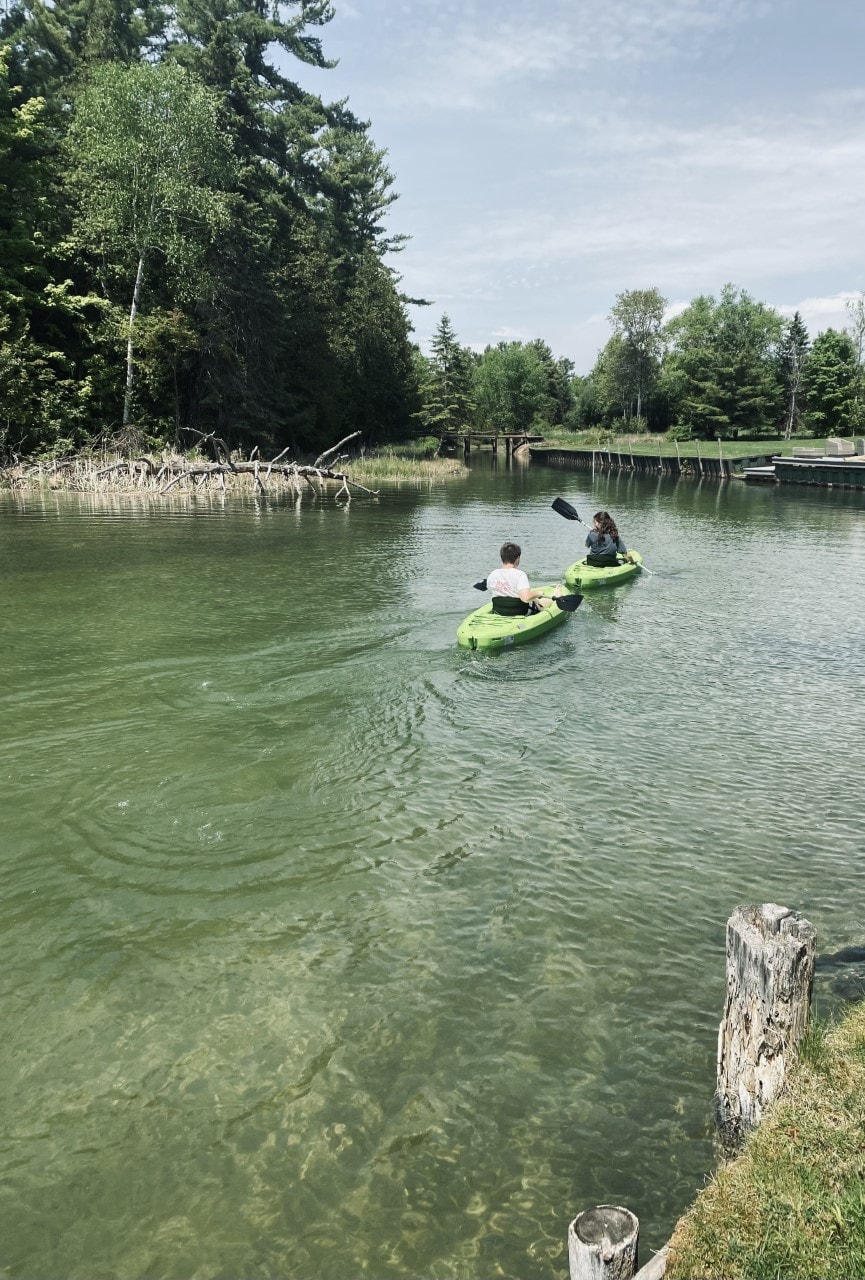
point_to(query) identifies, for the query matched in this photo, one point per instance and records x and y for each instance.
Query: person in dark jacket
(605, 545)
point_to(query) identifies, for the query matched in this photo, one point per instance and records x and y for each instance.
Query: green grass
(792, 1205)
(644, 444)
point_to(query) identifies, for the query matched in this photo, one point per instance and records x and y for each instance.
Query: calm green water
(330, 950)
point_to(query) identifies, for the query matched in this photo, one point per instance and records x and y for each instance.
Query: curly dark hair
(606, 523)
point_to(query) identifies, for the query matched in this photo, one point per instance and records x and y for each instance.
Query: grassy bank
(653, 445)
(793, 1204)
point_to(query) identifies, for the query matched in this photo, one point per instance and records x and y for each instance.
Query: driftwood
(166, 473)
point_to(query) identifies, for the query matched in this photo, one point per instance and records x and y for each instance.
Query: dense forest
(191, 243)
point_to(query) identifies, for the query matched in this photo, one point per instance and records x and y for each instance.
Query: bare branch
(321, 457)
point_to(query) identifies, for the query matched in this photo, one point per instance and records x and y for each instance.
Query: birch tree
(149, 169)
(792, 356)
(638, 315)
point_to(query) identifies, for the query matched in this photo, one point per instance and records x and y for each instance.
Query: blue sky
(549, 155)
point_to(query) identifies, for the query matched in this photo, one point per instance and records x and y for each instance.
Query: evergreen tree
(377, 363)
(446, 397)
(49, 355)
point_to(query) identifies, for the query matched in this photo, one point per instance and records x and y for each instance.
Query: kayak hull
(580, 576)
(484, 629)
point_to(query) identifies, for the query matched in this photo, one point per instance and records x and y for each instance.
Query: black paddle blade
(565, 509)
(568, 603)
(480, 586)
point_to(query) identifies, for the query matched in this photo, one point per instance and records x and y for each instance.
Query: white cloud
(457, 63)
(822, 313)
(725, 202)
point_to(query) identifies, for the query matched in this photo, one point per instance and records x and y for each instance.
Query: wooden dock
(512, 441)
(826, 473)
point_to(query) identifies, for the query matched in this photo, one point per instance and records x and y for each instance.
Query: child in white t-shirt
(512, 594)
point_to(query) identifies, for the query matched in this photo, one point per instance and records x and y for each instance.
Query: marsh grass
(390, 465)
(792, 1205)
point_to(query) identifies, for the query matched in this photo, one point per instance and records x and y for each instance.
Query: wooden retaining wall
(639, 463)
(840, 473)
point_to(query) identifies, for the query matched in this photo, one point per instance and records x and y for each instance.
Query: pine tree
(446, 392)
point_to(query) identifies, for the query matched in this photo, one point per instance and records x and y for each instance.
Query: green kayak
(580, 575)
(484, 629)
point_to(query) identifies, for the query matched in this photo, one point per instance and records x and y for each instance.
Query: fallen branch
(162, 474)
(288, 470)
(321, 457)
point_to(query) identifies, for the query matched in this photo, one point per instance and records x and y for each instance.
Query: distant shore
(415, 461)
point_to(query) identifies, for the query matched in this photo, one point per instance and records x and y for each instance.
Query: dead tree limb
(321, 457)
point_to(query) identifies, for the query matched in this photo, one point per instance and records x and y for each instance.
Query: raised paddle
(565, 509)
(568, 604)
(571, 513)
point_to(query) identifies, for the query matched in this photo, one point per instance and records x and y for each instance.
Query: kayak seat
(510, 607)
(603, 562)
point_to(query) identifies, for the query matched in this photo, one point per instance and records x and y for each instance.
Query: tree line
(189, 241)
(191, 244)
(729, 367)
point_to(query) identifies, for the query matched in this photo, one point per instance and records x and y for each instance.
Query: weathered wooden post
(602, 1243)
(770, 971)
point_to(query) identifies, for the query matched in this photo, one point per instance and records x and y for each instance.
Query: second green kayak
(580, 575)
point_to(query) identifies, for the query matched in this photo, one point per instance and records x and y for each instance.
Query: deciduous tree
(638, 316)
(792, 356)
(830, 380)
(149, 169)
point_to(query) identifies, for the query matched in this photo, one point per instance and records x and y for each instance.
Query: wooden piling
(602, 1243)
(770, 971)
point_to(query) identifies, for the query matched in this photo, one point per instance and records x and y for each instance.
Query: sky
(549, 154)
